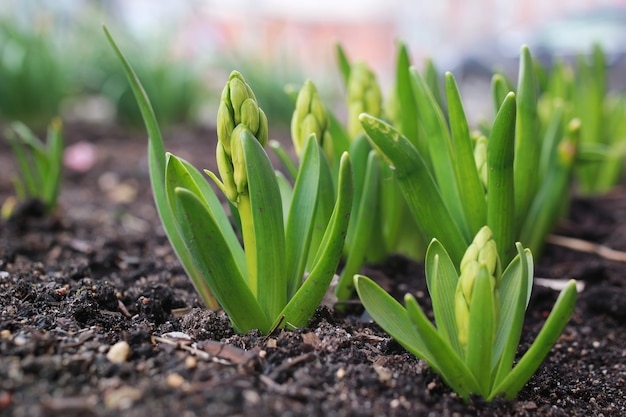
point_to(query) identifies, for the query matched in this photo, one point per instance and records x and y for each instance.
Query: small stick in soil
(589, 247)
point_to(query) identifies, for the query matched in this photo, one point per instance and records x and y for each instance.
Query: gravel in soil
(97, 318)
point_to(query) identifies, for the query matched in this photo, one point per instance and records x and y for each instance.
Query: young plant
(440, 177)
(40, 164)
(479, 317)
(261, 284)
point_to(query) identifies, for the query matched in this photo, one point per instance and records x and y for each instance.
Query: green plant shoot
(260, 284)
(40, 164)
(479, 316)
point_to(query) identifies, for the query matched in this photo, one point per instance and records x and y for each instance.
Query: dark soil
(100, 272)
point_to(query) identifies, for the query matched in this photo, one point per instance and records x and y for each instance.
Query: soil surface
(98, 318)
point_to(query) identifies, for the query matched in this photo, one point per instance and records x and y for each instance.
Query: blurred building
(306, 32)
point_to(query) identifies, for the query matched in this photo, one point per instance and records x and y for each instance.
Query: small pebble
(191, 362)
(119, 352)
(175, 380)
(122, 398)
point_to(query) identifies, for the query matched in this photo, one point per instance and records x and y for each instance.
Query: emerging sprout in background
(40, 165)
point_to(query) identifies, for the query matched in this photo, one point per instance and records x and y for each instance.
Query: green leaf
(440, 151)
(302, 214)
(343, 62)
(527, 144)
(407, 124)
(391, 317)
(361, 227)
(431, 76)
(549, 334)
(325, 205)
(55, 162)
(481, 331)
(284, 158)
(302, 306)
(500, 183)
(515, 289)
(500, 87)
(286, 194)
(442, 278)
(35, 153)
(471, 189)
(156, 162)
(447, 363)
(340, 137)
(24, 163)
(548, 203)
(179, 175)
(269, 231)
(418, 186)
(215, 262)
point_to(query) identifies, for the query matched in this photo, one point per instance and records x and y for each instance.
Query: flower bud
(238, 94)
(262, 134)
(482, 252)
(363, 89)
(309, 117)
(225, 126)
(250, 114)
(238, 110)
(225, 168)
(240, 175)
(480, 158)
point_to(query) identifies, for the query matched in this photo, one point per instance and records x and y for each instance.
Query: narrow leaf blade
(269, 229)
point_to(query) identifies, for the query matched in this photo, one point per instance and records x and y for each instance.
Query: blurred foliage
(33, 78)
(48, 57)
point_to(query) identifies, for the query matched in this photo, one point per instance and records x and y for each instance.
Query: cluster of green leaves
(580, 90)
(40, 164)
(494, 314)
(259, 285)
(455, 182)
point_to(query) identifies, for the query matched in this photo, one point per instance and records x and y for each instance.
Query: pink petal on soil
(80, 157)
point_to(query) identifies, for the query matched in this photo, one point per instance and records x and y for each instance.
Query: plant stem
(249, 240)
